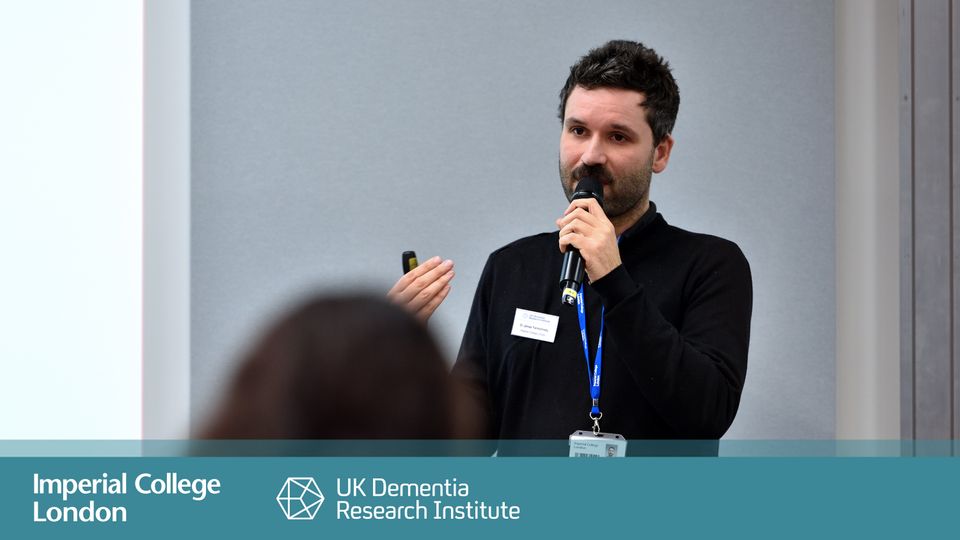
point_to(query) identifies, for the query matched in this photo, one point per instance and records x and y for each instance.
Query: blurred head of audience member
(341, 367)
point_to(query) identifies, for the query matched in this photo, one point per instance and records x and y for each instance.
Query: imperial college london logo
(300, 498)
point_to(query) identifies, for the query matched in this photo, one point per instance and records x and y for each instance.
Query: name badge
(533, 325)
(589, 444)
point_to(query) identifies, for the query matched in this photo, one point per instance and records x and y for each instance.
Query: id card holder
(590, 444)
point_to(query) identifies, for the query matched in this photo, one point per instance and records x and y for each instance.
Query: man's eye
(619, 137)
(577, 130)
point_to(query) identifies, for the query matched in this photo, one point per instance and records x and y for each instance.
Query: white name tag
(533, 325)
(589, 444)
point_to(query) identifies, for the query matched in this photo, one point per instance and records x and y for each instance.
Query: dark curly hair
(629, 65)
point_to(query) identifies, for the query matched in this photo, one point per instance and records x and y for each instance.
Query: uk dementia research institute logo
(300, 498)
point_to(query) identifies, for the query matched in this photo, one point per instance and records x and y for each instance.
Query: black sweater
(675, 338)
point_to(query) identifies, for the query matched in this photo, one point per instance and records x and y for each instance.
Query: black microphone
(571, 273)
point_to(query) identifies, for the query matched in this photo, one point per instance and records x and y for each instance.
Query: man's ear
(661, 154)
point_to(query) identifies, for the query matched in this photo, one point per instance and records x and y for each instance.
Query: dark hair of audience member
(346, 367)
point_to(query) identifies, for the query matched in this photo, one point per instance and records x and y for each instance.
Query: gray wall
(930, 224)
(329, 137)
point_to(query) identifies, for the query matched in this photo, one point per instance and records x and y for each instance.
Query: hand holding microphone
(587, 238)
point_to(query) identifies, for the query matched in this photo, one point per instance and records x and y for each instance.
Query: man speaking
(652, 343)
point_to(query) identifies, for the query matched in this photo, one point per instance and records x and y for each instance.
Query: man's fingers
(578, 213)
(424, 282)
(578, 227)
(589, 205)
(573, 239)
(421, 290)
(410, 276)
(572, 226)
(416, 280)
(423, 296)
(427, 310)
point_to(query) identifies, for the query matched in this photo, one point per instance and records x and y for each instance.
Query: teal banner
(477, 497)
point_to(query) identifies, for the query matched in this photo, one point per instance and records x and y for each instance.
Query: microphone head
(589, 187)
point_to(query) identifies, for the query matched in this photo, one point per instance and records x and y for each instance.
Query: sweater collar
(645, 220)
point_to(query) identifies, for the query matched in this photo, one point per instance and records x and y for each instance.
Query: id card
(534, 325)
(590, 444)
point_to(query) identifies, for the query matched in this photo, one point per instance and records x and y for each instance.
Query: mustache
(596, 171)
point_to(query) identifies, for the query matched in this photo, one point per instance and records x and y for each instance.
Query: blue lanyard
(592, 380)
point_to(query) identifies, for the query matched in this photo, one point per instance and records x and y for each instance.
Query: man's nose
(594, 154)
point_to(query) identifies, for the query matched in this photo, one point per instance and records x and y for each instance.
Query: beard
(622, 193)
